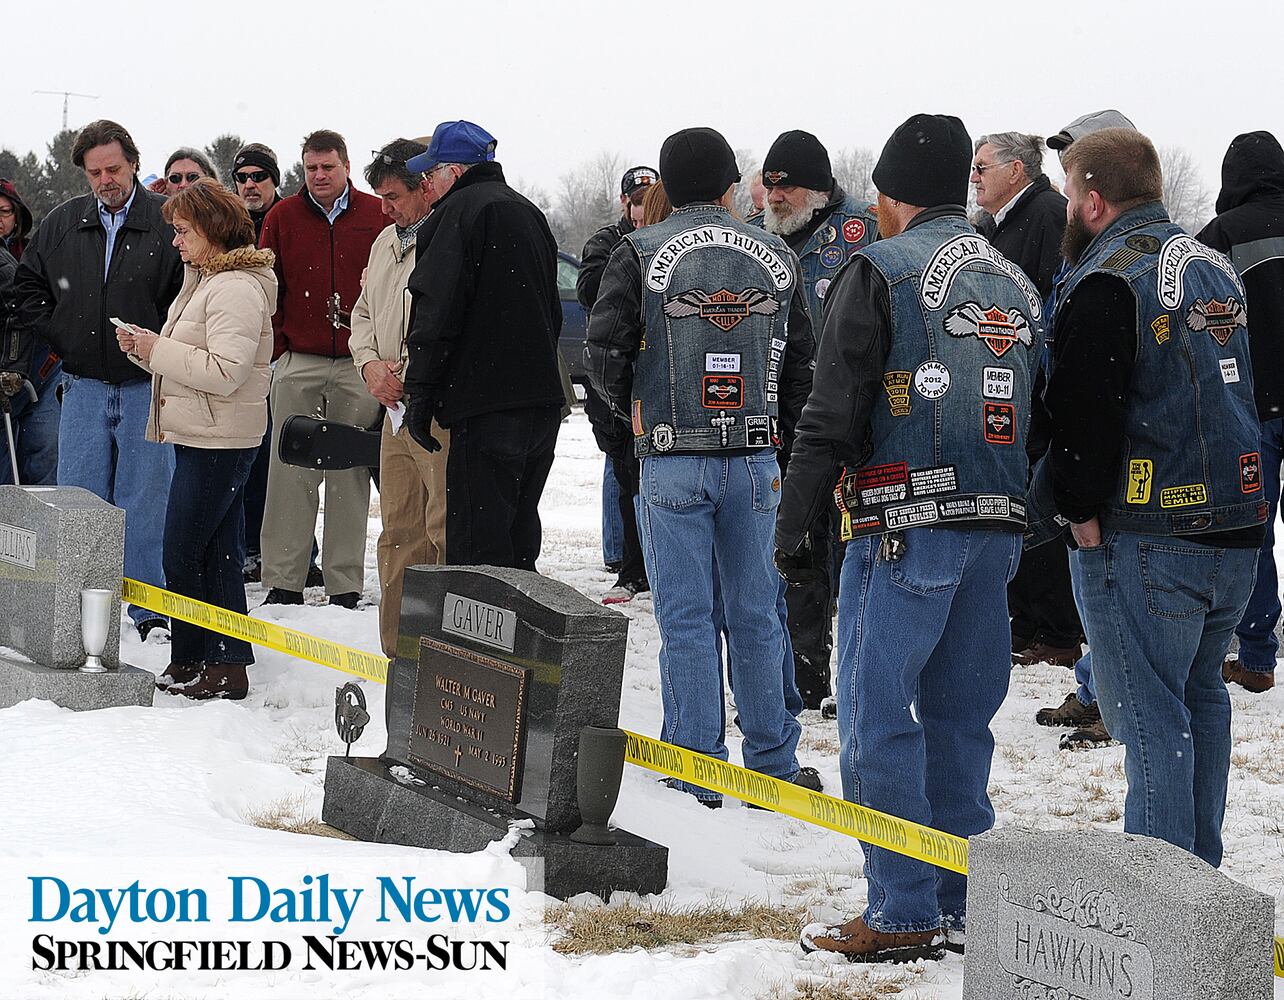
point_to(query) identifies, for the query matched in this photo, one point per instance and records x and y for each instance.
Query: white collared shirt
(1002, 213)
(338, 208)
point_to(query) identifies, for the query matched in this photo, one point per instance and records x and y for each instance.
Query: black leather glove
(798, 568)
(419, 423)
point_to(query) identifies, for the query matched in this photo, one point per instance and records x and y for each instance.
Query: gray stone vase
(599, 769)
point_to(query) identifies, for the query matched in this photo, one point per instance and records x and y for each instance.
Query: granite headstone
(56, 541)
(1094, 915)
(497, 672)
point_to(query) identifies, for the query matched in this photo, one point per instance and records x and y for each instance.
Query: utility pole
(66, 94)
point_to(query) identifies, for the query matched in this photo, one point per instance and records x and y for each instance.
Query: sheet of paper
(396, 414)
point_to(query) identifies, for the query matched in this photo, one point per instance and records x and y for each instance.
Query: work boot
(217, 680)
(315, 577)
(624, 591)
(857, 942)
(157, 628)
(178, 673)
(1088, 737)
(1071, 712)
(279, 595)
(829, 708)
(348, 600)
(1257, 681)
(1041, 652)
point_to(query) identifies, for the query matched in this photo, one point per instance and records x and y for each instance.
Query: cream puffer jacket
(210, 368)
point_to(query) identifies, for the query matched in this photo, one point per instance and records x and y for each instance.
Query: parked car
(574, 319)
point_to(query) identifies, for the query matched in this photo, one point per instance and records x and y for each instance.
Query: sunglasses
(178, 178)
(257, 176)
(980, 168)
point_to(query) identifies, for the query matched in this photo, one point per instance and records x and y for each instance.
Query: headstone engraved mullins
(1096, 915)
(469, 717)
(1081, 942)
(497, 673)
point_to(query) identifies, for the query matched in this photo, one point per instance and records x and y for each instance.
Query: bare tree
(852, 169)
(1187, 198)
(587, 199)
(747, 163)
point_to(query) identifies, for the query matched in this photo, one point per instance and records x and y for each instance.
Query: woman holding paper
(210, 374)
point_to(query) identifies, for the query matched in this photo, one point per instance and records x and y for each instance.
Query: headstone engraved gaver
(56, 541)
(497, 672)
(1091, 915)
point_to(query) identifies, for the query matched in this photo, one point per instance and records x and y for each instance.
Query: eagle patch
(997, 329)
(725, 310)
(1219, 318)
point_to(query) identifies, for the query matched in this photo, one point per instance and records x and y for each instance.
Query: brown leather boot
(1071, 712)
(858, 942)
(217, 680)
(1041, 652)
(1257, 681)
(178, 673)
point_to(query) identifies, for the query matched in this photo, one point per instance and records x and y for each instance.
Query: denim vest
(1191, 460)
(851, 226)
(715, 302)
(947, 437)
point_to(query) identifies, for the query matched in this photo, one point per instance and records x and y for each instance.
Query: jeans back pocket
(1178, 580)
(673, 482)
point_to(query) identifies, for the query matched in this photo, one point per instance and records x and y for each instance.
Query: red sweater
(313, 261)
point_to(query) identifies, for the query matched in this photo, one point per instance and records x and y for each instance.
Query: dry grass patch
(601, 930)
(290, 815)
(848, 984)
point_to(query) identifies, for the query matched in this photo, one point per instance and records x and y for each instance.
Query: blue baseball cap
(455, 142)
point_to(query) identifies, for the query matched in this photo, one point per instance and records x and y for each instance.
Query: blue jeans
(700, 516)
(1257, 642)
(612, 519)
(924, 659)
(101, 448)
(35, 428)
(1159, 611)
(205, 546)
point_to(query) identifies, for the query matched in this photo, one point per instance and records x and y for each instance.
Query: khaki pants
(412, 501)
(330, 388)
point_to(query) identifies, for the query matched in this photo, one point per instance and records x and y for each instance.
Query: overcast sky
(556, 81)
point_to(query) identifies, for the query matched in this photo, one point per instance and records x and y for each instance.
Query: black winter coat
(8, 265)
(486, 313)
(59, 294)
(1030, 234)
(593, 260)
(1249, 229)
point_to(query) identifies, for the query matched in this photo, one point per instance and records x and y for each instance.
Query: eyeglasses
(382, 157)
(980, 168)
(257, 176)
(178, 178)
(6, 213)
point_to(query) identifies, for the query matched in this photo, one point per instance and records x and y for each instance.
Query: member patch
(1143, 243)
(897, 385)
(933, 482)
(638, 429)
(1221, 319)
(822, 287)
(826, 234)
(1000, 423)
(1230, 370)
(721, 363)
(1183, 496)
(1250, 472)
(662, 438)
(1177, 255)
(832, 256)
(997, 383)
(725, 310)
(723, 422)
(758, 431)
(992, 506)
(1162, 326)
(998, 329)
(924, 512)
(660, 271)
(854, 230)
(724, 392)
(1141, 473)
(880, 484)
(961, 253)
(932, 380)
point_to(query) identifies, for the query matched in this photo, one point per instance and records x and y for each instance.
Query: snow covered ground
(167, 795)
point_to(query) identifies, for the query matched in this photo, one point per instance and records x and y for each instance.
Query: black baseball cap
(638, 177)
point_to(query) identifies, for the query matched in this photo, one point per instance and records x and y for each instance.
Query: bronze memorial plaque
(469, 718)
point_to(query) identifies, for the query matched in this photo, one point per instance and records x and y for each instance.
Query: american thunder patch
(1220, 319)
(998, 329)
(725, 310)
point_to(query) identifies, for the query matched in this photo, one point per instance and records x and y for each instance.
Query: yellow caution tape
(372, 666)
(944, 850)
(922, 843)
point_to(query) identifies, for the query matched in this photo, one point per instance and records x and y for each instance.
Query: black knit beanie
(697, 164)
(926, 162)
(257, 155)
(798, 158)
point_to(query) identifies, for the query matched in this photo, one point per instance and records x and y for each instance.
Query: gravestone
(497, 671)
(1096, 915)
(54, 542)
